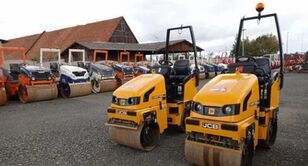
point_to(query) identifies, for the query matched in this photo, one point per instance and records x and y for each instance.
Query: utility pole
(243, 43)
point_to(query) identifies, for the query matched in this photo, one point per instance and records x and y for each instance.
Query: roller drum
(135, 138)
(3, 97)
(124, 80)
(203, 154)
(80, 89)
(30, 93)
(108, 85)
(202, 76)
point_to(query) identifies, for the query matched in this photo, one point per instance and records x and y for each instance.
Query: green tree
(265, 44)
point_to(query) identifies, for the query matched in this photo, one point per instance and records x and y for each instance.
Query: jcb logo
(122, 112)
(210, 126)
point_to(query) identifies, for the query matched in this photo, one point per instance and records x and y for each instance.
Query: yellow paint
(157, 103)
(232, 89)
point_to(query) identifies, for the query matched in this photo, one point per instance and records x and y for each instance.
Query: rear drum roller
(37, 93)
(75, 90)
(3, 97)
(144, 138)
(108, 85)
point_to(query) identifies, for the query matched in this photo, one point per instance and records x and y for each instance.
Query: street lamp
(243, 49)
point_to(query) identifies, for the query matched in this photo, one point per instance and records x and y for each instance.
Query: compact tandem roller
(30, 83)
(72, 81)
(235, 112)
(145, 106)
(102, 76)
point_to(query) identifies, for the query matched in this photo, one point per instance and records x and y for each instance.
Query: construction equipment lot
(72, 132)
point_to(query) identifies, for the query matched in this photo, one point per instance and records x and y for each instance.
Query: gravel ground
(72, 132)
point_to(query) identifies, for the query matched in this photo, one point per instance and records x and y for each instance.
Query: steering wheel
(245, 59)
(165, 62)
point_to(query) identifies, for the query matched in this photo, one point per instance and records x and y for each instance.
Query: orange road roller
(3, 97)
(144, 107)
(29, 82)
(123, 72)
(235, 112)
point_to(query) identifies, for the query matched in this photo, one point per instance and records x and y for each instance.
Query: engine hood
(143, 68)
(72, 68)
(138, 86)
(32, 68)
(226, 89)
(101, 67)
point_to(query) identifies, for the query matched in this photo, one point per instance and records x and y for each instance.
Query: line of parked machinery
(30, 81)
(53, 76)
(225, 121)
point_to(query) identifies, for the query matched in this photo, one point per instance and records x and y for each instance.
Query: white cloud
(215, 22)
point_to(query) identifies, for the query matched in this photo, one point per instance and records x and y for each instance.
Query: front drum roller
(203, 154)
(103, 85)
(145, 137)
(75, 89)
(3, 97)
(30, 93)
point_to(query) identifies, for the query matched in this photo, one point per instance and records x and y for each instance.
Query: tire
(248, 151)
(271, 135)
(96, 86)
(207, 75)
(23, 94)
(183, 124)
(149, 136)
(65, 90)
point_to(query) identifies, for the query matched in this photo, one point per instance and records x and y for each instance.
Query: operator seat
(182, 70)
(81, 64)
(181, 73)
(265, 81)
(14, 71)
(54, 67)
(264, 64)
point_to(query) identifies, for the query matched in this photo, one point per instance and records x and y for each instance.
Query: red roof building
(112, 30)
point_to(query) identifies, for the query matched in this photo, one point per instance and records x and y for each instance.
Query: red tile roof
(63, 38)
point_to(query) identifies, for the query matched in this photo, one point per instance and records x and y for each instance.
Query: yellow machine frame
(159, 100)
(234, 113)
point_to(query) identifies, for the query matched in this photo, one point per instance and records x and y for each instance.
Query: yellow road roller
(145, 106)
(235, 112)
